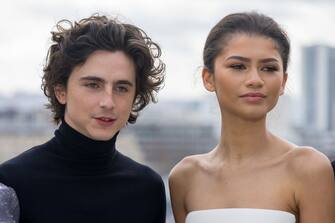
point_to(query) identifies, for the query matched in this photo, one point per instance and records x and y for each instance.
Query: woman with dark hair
(252, 175)
(9, 205)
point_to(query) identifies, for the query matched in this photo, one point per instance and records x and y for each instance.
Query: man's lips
(105, 121)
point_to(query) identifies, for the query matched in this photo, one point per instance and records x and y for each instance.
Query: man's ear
(208, 80)
(282, 87)
(60, 93)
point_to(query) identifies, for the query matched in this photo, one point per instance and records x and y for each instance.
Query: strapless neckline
(240, 215)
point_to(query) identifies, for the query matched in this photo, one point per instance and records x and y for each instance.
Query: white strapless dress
(240, 215)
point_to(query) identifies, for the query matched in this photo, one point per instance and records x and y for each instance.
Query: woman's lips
(253, 97)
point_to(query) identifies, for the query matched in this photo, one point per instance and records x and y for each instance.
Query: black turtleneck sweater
(72, 178)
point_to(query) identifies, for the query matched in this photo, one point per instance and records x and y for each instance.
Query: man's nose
(107, 99)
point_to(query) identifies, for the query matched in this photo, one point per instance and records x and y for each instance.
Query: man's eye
(92, 85)
(237, 66)
(121, 89)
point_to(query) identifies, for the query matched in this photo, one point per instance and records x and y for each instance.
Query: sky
(180, 28)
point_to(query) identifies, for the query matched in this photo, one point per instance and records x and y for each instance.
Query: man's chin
(102, 136)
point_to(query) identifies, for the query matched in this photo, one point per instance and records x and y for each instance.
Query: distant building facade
(169, 131)
(319, 87)
(318, 129)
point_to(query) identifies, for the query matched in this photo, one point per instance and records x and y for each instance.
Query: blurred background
(186, 120)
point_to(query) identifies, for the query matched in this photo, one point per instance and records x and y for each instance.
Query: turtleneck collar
(79, 147)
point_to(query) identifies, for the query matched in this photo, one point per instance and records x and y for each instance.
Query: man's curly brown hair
(74, 42)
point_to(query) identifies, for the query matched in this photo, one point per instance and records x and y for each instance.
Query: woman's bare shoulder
(188, 167)
(314, 185)
(305, 162)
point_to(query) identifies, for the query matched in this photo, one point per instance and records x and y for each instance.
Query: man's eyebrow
(126, 82)
(98, 79)
(92, 78)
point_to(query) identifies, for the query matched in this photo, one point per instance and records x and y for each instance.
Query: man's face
(99, 95)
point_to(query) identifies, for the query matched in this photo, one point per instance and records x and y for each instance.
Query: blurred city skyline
(179, 27)
(161, 138)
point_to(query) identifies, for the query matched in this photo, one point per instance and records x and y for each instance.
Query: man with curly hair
(99, 74)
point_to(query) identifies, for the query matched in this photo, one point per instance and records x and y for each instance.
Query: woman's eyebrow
(245, 59)
(267, 60)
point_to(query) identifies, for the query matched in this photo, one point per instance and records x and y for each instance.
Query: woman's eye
(270, 69)
(237, 66)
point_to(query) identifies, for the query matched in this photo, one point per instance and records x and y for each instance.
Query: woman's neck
(243, 140)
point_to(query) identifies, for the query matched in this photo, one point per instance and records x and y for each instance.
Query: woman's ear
(282, 88)
(208, 80)
(60, 94)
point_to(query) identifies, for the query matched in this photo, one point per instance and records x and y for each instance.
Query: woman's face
(248, 76)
